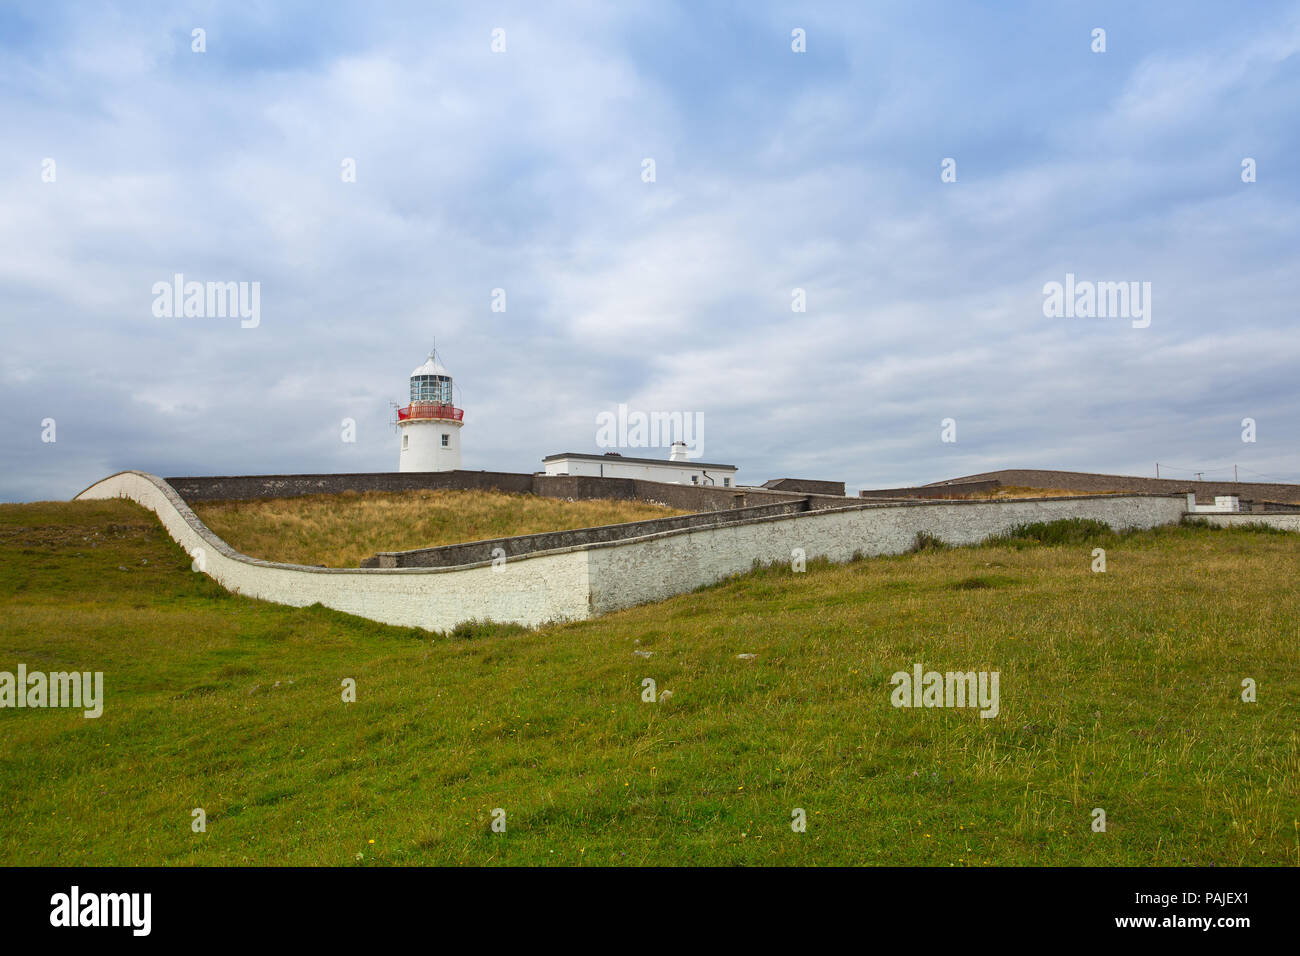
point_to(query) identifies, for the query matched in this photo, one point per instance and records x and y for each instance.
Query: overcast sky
(774, 170)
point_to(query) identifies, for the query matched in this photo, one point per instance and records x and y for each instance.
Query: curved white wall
(577, 582)
(653, 568)
(534, 591)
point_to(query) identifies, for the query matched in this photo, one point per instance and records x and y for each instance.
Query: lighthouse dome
(431, 367)
(431, 382)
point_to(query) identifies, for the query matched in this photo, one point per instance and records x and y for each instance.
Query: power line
(1188, 470)
(1286, 480)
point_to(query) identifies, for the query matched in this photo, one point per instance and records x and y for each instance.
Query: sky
(129, 156)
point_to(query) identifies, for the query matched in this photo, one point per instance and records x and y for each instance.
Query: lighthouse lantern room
(431, 423)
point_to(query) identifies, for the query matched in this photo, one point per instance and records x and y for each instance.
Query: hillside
(1079, 482)
(1118, 690)
(338, 531)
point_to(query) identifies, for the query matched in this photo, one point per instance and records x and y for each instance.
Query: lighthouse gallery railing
(430, 410)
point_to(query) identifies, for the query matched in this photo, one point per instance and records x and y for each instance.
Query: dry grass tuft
(1021, 491)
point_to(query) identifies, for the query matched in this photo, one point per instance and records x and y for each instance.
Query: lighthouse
(430, 425)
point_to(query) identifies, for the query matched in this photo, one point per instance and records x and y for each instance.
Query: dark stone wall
(953, 490)
(806, 485)
(456, 554)
(571, 487)
(287, 486)
(1269, 506)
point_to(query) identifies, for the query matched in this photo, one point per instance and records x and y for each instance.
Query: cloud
(522, 171)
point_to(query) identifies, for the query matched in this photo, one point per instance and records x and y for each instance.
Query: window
(406, 442)
(695, 479)
(431, 388)
(726, 482)
(446, 441)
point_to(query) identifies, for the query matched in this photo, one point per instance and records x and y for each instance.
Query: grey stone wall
(945, 490)
(578, 581)
(807, 485)
(232, 487)
(569, 487)
(455, 554)
(1281, 520)
(646, 569)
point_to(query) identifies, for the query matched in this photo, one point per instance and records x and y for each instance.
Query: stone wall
(1274, 519)
(572, 487)
(947, 490)
(514, 547)
(807, 485)
(289, 486)
(583, 580)
(651, 569)
(534, 591)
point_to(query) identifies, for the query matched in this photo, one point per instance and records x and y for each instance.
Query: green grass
(1118, 690)
(1064, 531)
(338, 531)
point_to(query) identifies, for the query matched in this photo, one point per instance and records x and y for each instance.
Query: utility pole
(1234, 473)
(1157, 469)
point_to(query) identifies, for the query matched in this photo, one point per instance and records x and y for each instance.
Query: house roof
(688, 463)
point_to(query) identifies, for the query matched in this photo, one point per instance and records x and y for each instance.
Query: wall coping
(601, 534)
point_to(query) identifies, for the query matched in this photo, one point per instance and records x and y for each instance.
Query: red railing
(430, 410)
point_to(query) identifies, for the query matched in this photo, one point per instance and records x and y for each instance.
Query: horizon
(498, 201)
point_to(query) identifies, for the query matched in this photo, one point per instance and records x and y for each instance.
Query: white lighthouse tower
(431, 424)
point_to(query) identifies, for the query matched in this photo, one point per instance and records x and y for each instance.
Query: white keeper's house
(677, 470)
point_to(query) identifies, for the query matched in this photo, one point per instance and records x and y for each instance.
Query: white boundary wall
(581, 581)
(650, 569)
(1274, 519)
(546, 588)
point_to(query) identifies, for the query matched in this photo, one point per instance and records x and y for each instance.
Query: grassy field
(1118, 690)
(338, 531)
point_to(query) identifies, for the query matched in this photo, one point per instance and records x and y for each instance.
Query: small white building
(431, 424)
(677, 470)
(1222, 504)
